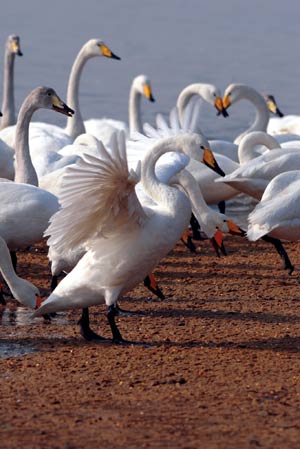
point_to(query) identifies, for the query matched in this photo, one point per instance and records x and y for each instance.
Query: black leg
(222, 207)
(111, 314)
(287, 265)
(195, 228)
(2, 299)
(85, 329)
(53, 283)
(14, 259)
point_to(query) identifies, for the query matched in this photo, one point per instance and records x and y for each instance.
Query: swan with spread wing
(124, 239)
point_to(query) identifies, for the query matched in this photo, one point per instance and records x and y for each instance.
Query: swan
(124, 240)
(253, 176)
(282, 124)
(103, 128)
(278, 212)
(12, 48)
(236, 92)
(22, 290)
(49, 137)
(25, 208)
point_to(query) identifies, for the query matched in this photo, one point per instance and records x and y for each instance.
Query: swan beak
(107, 52)
(148, 92)
(217, 242)
(1, 114)
(61, 107)
(38, 301)
(186, 239)
(210, 161)
(220, 108)
(151, 284)
(234, 229)
(226, 101)
(272, 106)
(15, 46)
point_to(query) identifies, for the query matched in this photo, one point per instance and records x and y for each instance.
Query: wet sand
(218, 368)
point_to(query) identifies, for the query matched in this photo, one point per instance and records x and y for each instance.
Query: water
(174, 42)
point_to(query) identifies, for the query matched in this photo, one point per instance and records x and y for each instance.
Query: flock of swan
(113, 199)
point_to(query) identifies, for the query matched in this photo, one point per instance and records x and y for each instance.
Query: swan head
(236, 92)
(142, 85)
(13, 45)
(27, 293)
(212, 95)
(96, 47)
(272, 105)
(197, 147)
(47, 98)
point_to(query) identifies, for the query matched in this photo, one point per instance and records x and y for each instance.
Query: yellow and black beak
(59, 106)
(16, 48)
(226, 101)
(186, 239)
(234, 229)
(272, 106)
(220, 108)
(107, 52)
(217, 242)
(152, 285)
(210, 161)
(148, 92)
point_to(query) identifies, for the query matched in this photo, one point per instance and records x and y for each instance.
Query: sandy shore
(219, 367)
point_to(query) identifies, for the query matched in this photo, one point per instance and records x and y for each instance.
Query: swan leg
(281, 251)
(54, 282)
(14, 259)
(85, 329)
(195, 228)
(152, 285)
(111, 314)
(2, 299)
(222, 206)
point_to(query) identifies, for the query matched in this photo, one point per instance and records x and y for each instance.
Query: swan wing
(98, 198)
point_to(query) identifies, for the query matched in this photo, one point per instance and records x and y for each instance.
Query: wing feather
(97, 197)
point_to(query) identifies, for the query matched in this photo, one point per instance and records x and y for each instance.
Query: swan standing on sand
(103, 128)
(124, 240)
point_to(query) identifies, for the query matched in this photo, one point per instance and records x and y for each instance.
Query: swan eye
(49, 94)
(229, 94)
(202, 147)
(214, 95)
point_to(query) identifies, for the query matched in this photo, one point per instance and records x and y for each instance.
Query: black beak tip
(152, 99)
(113, 56)
(20, 53)
(1, 114)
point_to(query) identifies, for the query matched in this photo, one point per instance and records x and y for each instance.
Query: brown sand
(221, 368)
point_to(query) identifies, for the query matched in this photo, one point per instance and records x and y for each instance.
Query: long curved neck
(8, 102)
(25, 171)
(6, 267)
(75, 125)
(262, 115)
(161, 193)
(246, 150)
(135, 123)
(185, 96)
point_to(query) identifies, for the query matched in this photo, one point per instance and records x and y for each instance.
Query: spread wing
(97, 198)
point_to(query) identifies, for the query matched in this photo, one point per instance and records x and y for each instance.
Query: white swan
(125, 240)
(103, 128)
(49, 137)
(253, 176)
(282, 124)
(25, 208)
(278, 212)
(236, 92)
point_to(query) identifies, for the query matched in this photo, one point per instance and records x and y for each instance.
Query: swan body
(22, 290)
(103, 128)
(278, 213)
(124, 241)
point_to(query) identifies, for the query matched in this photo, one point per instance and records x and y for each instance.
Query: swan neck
(135, 123)
(184, 98)
(161, 193)
(246, 149)
(25, 171)
(261, 120)
(6, 266)
(75, 125)
(8, 102)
